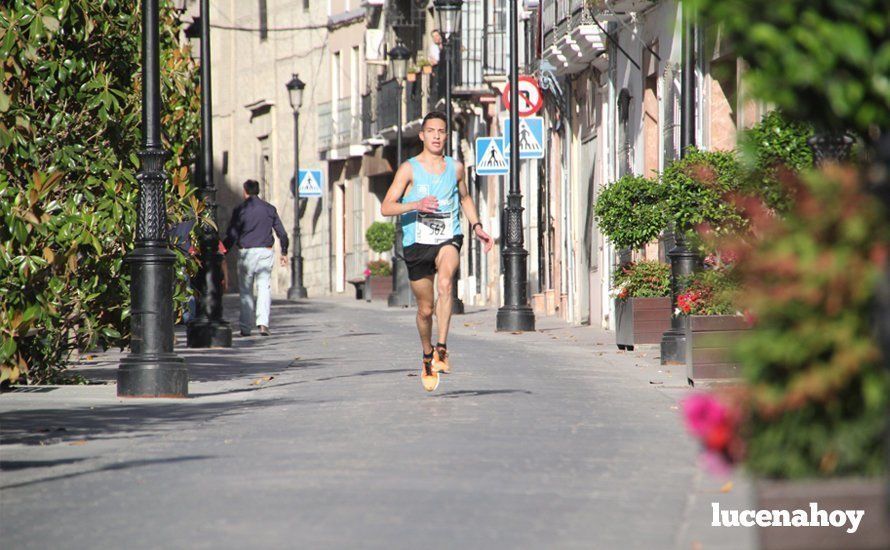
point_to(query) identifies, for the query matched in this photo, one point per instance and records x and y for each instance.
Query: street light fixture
(448, 15)
(208, 329)
(296, 291)
(515, 314)
(401, 287)
(151, 369)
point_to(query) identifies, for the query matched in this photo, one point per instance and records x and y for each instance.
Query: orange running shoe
(440, 359)
(429, 376)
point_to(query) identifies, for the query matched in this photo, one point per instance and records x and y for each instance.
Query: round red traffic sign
(530, 97)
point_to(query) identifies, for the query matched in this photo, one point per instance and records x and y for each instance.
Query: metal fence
(414, 101)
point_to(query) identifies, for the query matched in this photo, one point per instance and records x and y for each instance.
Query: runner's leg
(447, 261)
(423, 294)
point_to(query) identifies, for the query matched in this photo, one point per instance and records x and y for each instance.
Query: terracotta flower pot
(641, 321)
(381, 287)
(427, 69)
(412, 77)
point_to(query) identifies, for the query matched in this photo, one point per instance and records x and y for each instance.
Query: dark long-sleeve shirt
(252, 224)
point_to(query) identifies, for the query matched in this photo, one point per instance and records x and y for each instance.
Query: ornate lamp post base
(401, 295)
(152, 369)
(516, 315)
(296, 291)
(684, 263)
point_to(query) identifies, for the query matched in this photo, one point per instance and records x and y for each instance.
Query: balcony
(387, 105)
(496, 50)
(572, 39)
(367, 115)
(325, 125)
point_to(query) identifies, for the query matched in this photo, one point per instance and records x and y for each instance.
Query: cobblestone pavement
(320, 436)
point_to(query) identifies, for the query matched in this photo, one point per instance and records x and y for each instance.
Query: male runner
(428, 192)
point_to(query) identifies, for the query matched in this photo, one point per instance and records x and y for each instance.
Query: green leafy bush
(822, 61)
(70, 112)
(379, 268)
(644, 279)
(630, 211)
(817, 393)
(772, 144)
(696, 191)
(381, 236)
(709, 292)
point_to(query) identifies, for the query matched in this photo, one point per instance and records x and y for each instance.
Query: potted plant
(630, 213)
(424, 64)
(809, 420)
(381, 238)
(713, 323)
(642, 303)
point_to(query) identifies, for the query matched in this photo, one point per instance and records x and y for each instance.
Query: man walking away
(251, 227)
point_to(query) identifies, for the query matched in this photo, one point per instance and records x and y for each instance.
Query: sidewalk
(320, 436)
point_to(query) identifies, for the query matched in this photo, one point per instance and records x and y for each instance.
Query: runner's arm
(469, 208)
(391, 205)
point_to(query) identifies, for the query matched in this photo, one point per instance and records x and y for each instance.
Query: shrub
(381, 236)
(709, 292)
(70, 107)
(379, 268)
(772, 144)
(818, 389)
(630, 211)
(697, 188)
(645, 279)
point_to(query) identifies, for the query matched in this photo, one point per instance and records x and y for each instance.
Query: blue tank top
(443, 186)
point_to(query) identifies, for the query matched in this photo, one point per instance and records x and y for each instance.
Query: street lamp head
(398, 58)
(448, 16)
(295, 92)
(193, 33)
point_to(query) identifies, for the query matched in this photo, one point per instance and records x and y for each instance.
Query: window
(264, 21)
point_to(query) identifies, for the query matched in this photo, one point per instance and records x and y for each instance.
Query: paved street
(321, 437)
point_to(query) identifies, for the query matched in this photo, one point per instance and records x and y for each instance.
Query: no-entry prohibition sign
(530, 97)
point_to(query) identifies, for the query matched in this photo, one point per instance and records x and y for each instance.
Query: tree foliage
(696, 189)
(822, 61)
(381, 236)
(817, 392)
(70, 125)
(630, 211)
(773, 144)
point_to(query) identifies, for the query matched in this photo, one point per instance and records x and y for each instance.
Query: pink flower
(704, 415)
(367, 272)
(715, 463)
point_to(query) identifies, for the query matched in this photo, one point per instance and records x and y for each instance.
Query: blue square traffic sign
(531, 137)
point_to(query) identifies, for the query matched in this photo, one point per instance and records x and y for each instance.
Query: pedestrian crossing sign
(310, 183)
(531, 137)
(490, 159)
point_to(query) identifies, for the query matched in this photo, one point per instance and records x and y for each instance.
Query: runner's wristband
(473, 227)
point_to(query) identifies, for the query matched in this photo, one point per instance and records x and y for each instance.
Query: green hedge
(70, 117)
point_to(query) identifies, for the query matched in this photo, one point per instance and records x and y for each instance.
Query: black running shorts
(421, 258)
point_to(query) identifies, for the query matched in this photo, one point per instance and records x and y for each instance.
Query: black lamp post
(684, 262)
(208, 329)
(515, 314)
(401, 288)
(448, 15)
(151, 369)
(297, 290)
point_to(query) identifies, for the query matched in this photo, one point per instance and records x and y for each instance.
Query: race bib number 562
(433, 228)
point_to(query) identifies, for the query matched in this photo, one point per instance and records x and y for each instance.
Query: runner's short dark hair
(252, 187)
(434, 114)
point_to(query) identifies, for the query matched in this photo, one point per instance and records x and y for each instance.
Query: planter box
(381, 287)
(641, 321)
(865, 494)
(708, 339)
